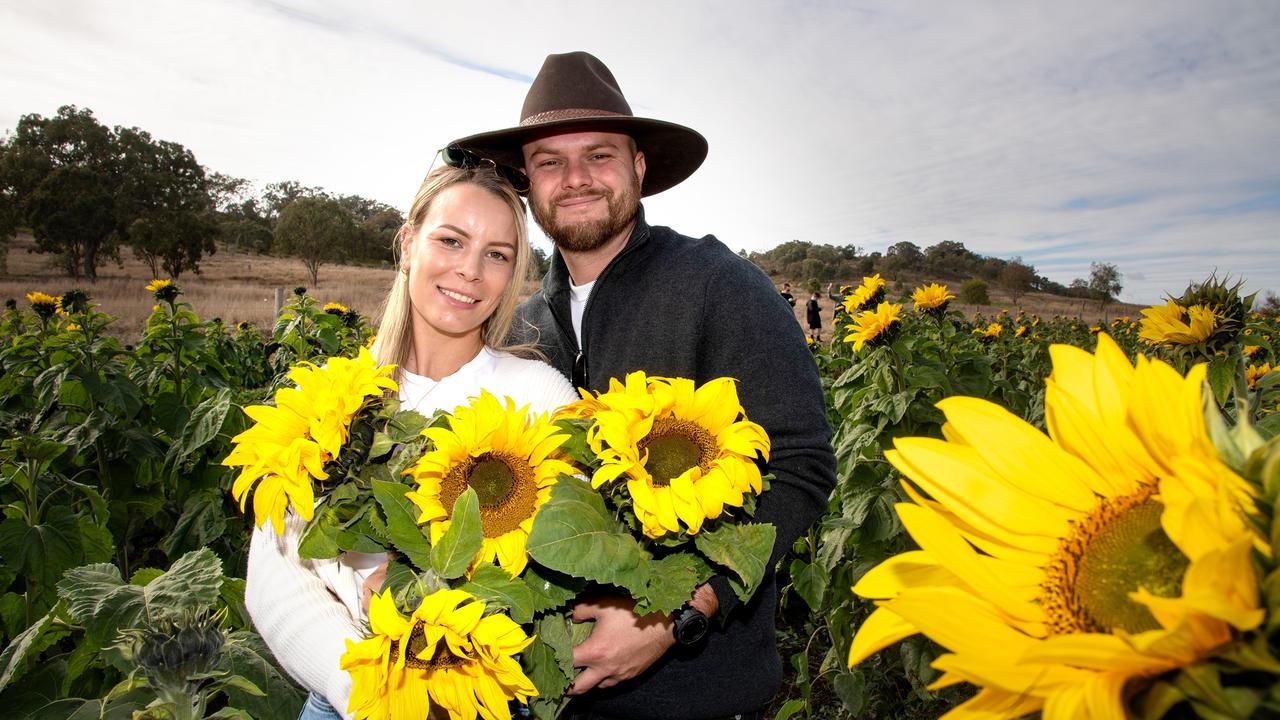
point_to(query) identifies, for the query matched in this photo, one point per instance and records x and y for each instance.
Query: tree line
(86, 191)
(948, 261)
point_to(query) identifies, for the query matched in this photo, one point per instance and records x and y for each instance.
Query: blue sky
(1142, 134)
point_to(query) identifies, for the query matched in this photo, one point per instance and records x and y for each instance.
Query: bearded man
(622, 295)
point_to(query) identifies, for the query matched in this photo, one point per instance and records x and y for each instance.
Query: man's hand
(622, 644)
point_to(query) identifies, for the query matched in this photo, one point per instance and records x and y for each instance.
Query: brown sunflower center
(441, 658)
(1118, 548)
(675, 446)
(505, 485)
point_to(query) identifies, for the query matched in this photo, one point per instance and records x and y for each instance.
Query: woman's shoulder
(531, 381)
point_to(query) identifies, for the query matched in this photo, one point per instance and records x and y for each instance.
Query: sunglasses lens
(519, 181)
(458, 158)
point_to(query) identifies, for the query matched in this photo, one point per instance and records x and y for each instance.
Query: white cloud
(1066, 133)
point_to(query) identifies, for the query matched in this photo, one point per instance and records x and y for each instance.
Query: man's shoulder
(705, 253)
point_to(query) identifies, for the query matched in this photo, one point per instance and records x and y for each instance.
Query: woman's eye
(498, 256)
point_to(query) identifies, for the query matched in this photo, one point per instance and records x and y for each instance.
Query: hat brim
(672, 152)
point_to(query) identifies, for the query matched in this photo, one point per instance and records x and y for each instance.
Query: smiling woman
(443, 328)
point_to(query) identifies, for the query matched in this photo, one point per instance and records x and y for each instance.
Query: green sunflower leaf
(452, 555)
(493, 585)
(401, 514)
(672, 580)
(574, 534)
(551, 589)
(742, 548)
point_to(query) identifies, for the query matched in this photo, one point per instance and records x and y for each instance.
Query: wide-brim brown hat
(576, 92)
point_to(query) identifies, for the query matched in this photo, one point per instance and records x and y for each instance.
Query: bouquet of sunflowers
(493, 522)
(1121, 566)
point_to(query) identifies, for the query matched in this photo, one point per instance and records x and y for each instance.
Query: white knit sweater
(305, 610)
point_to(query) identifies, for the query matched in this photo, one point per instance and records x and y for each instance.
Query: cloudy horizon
(1136, 134)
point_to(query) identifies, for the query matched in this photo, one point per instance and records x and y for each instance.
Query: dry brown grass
(233, 286)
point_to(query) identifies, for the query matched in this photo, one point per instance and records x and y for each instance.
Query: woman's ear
(405, 236)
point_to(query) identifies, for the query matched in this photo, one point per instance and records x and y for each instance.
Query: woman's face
(460, 260)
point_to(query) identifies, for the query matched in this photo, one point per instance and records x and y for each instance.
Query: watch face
(691, 626)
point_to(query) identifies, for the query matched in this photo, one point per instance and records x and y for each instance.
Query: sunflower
(505, 455)
(874, 326)
(447, 653)
(163, 290)
(1059, 571)
(1254, 373)
(1022, 330)
(1165, 326)
(291, 441)
(931, 297)
(43, 305)
(334, 308)
(1252, 351)
(990, 332)
(685, 451)
(869, 293)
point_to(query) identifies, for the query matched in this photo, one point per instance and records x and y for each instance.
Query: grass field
(239, 287)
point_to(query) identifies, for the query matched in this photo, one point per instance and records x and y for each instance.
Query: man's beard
(585, 236)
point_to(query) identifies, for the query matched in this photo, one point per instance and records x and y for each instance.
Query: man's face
(585, 187)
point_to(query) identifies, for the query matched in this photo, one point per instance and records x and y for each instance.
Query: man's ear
(639, 167)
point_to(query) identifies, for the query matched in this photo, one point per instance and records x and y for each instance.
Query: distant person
(786, 294)
(623, 295)
(463, 250)
(813, 313)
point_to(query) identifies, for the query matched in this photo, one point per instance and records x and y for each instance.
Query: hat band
(567, 114)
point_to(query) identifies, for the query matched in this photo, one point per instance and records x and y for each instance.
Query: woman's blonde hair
(394, 342)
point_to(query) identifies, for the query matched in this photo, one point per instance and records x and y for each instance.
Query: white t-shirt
(578, 295)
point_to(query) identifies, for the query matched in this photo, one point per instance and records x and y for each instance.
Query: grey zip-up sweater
(676, 306)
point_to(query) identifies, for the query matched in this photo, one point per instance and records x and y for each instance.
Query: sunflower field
(1033, 515)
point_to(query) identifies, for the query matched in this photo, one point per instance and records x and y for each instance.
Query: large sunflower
(506, 456)
(1059, 570)
(685, 452)
(448, 653)
(291, 441)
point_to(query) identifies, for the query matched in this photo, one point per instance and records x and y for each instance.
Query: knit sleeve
(299, 619)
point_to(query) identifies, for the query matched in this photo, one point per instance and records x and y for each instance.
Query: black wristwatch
(689, 625)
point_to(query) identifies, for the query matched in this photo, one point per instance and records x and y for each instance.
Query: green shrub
(974, 292)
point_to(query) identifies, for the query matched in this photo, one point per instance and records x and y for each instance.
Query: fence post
(279, 300)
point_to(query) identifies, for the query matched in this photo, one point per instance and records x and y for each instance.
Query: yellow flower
(506, 456)
(1251, 350)
(43, 305)
(71, 327)
(291, 441)
(1061, 571)
(1254, 373)
(1022, 330)
(158, 285)
(869, 292)
(334, 308)
(933, 295)
(1094, 330)
(1164, 325)
(685, 452)
(872, 325)
(991, 331)
(447, 654)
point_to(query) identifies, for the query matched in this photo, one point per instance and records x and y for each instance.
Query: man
(621, 296)
(786, 294)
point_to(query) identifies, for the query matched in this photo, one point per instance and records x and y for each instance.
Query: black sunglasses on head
(457, 157)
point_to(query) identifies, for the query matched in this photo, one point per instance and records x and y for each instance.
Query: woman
(464, 252)
(813, 314)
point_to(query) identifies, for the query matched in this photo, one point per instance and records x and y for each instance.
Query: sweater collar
(556, 284)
